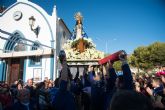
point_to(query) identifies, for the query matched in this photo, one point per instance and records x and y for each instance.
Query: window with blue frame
(35, 60)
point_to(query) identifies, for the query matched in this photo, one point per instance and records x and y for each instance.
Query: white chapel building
(30, 40)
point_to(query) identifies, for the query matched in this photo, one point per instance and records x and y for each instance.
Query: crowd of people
(93, 90)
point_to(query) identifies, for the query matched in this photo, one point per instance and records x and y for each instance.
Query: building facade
(30, 42)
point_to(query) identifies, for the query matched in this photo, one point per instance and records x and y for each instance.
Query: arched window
(19, 46)
(15, 43)
(35, 60)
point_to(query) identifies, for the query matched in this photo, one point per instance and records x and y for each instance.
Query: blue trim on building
(35, 65)
(4, 72)
(51, 66)
(24, 70)
(30, 60)
(9, 45)
(14, 43)
(1, 70)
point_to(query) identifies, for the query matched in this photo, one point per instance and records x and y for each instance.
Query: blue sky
(113, 24)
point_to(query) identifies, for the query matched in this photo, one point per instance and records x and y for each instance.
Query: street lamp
(31, 23)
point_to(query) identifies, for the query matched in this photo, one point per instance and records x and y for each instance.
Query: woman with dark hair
(19, 86)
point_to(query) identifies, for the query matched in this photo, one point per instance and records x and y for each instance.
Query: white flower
(90, 53)
(89, 40)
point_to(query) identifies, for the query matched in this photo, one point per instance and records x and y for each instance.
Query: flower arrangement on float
(90, 51)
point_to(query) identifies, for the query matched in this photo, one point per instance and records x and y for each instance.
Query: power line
(16, 42)
(10, 34)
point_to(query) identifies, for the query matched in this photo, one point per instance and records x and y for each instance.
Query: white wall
(50, 27)
(10, 25)
(46, 35)
(61, 28)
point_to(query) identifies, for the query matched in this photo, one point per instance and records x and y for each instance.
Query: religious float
(80, 49)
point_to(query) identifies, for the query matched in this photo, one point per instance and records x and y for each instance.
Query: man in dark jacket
(30, 87)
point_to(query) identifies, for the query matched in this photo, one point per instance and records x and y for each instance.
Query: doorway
(16, 69)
